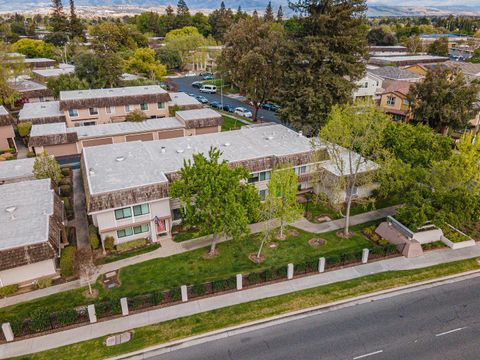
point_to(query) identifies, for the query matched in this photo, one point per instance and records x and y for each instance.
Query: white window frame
(146, 106)
(128, 108)
(73, 113)
(110, 109)
(93, 110)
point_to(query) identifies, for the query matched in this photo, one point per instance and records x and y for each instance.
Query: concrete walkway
(80, 221)
(328, 226)
(100, 329)
(22, 150)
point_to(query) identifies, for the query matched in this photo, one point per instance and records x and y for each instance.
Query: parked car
(209, 89)
(229, 108)
(216, 105)
(202, 99)
(208, 77)
(197, 84)
(270, 107)
(241, 111)
(206, 73)
(190, 74)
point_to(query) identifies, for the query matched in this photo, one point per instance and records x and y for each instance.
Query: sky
(427, 2)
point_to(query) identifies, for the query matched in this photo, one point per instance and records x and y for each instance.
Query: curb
(295, 315)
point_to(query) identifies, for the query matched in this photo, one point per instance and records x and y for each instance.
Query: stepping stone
(111, 286)
(110, 274)
(118, 339)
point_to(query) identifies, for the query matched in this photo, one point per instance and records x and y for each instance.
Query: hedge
(65, 190)
(199, 289)
(67, 261)
(67, 317)
(93, 237)
(66, 171)
(39, 321)
(8, 290)
(44, 283)
(109, 243)
(175, 294)
(130, 245)
(24, 128)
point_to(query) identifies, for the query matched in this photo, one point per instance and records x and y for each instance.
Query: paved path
(328, 226)
(432, 323)
(80, 221)
(92, 331)
(22, 150)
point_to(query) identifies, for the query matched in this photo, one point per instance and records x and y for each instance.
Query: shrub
(218, 285)
(93, 237)
(65, 190)
(300, 268)
(111, 306)
(67, 317)
(68, 208)
(175, 294)
(332, 260)
(136, 116)
(24, 128)
(16, 325)
(130, 245)
(199, 289)
(8, 290)
(253, 278)
(232, 283)
(44, 283)
(157, 297)
(65, 181)
(66, 171)
(30, 154)
(109, 242)
(39, 321)
(268, 275)
(67, 259)
(282, 271)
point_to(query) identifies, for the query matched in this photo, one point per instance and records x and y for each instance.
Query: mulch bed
(316, 242)
(257, 260)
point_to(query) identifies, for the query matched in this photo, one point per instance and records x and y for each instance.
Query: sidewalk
(96, 330)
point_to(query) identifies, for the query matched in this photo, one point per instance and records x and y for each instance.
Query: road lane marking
(450, 331)
(369, 354)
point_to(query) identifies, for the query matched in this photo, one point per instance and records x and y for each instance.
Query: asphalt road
(185, 84)
(441, 323)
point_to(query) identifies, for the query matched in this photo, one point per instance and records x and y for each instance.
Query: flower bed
(456, 239)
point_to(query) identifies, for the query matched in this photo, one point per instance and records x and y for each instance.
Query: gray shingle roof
(394, 73)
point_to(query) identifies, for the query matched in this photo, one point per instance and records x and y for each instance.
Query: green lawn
(190, 267)
(115, 257)
(260, 309)
(230, 123)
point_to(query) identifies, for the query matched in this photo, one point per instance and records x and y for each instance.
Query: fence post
(290, 271)
(239, 281)
(365, 255)
(124, 304)
(183, 289)
(7, 331)
(321, 265)
(92, 315)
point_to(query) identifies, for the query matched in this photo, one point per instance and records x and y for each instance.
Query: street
(185, 84)
(439, 323)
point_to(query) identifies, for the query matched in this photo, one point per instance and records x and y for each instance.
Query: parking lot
(185, 84)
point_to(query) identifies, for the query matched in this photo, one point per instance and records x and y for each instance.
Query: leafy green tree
(353, 136)
(439, 47)
(113, 37)
(220, 21)
(378, 36)
(34, 48)
(136, 116)
(183, 17)
(200, 21)
(252, 58)
(66, 82)
(475, 57)
(11, 67)
(171, 58)
(321, 60)
(45, 166)
(99, 70)
(414, 44)
(185, 41)
(443, 100)
(212, 194)
(150, 22)
(281, 200)
(143, 61)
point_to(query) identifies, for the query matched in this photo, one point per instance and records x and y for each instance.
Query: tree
(475, 57)
(85, 267)
(220, 21)
(321, 60)
(213, 195)
(171, 58)
(252, 58)
(143, 61)
(439, 47)
(414, 44)
(183, 17)
(76, 27)
(185, 41)
(379, 37)
(281, 197)
(99, 70)
(34, 48)
(280, 14)
(136, 116)
(150, 22)
(59, 24)
(443, 100)
(353, 135)
(11, 68)
(113, 37)
(45, 166)
(200, 21)
(269, 12)
(65, 82)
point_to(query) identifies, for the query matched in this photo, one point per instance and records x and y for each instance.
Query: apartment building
(32, 231)
(57, 139)
(7, 134)
(127, 183)
(102, 106)
(32, 91)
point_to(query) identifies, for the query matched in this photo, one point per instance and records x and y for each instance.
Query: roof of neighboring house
(16, 169)
(40, 60)
(41, 112)
(395, 73)
(5, 117)
(24, 217)
(182, 99)
(48, 129)
(52, 73)
(341, 167)
(406, 59)
(402, 87)
(197, 118)
(469, 69)
(30, 89)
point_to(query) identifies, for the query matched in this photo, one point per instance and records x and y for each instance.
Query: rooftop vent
(269, 137)
(43, 107)
(163, 150)
(91, 171)
(10, 209)
(227, 144)
(180, 151)
(300, 133)
(120, 158)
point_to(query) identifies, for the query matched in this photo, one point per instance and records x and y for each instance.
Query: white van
(211, 89)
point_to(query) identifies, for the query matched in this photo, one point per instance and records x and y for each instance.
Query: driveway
(184, 84)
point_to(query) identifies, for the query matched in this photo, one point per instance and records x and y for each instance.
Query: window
(261, 176)
(73, 112)
(263, 194)
(253, 178)
(177, 214)
(41, 99)
(93, 111)
(125, 232)
(391, 100)
(161, 105)
(144, 107)
(300, 170)
(406, 102)
(140, 229)
(124, 213)
(110, 109)
(265, 175)
(141, 209)
(128, 108)
(365, 85)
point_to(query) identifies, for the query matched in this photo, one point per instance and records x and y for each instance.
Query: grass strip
(260, 309)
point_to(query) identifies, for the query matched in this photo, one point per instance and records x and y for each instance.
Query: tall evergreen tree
(76, 27)
(269, 12)
(322, 59)
(280, 14)
(58, 20)
(220, 20)
(183, 15)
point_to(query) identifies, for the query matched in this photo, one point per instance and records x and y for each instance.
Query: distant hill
(374, 9)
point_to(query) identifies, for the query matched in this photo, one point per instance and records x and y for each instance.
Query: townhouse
(32, 91)
(7, 133)
(394, 100)
(369, 87)
(126, 184)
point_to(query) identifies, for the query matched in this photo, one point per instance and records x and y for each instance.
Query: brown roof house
(394, 100)
(32, 226)
(7, 134)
